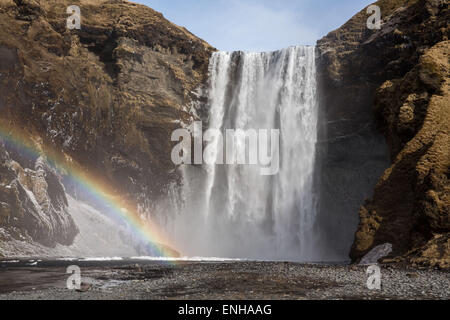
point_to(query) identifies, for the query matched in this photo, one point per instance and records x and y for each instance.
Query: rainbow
(95, 186)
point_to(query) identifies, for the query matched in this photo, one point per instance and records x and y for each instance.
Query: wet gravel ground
(218, 280)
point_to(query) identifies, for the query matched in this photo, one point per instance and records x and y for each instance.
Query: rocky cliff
(392, 81)
(33, 204)
(107, 96)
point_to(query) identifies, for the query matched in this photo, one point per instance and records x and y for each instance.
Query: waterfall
(232, 210)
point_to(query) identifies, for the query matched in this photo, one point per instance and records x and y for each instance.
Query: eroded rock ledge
(33, 204)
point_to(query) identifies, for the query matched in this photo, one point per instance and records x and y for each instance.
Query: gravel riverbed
(218, 280)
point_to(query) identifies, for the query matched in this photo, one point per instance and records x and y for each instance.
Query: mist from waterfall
(232, 210)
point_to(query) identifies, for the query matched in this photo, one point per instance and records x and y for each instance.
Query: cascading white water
(232, 210)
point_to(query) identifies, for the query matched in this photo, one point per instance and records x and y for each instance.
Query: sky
(258, 25)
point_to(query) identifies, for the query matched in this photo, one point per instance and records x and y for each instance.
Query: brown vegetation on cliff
(108, 95)
(412, 199)
(402, 70)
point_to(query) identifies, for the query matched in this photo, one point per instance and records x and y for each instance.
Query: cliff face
(107, 96)
(393, 80)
